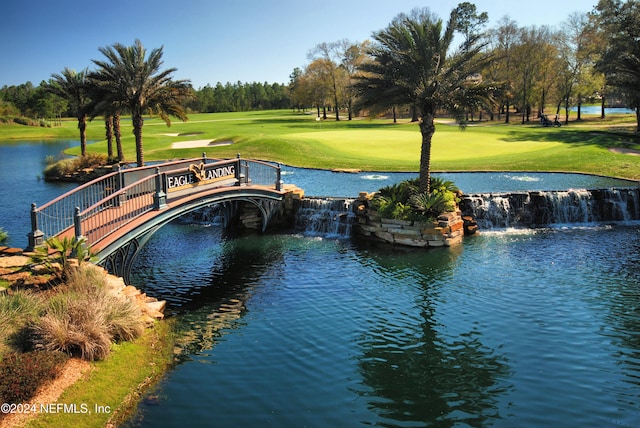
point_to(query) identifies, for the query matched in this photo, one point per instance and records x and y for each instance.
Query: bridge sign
(202, 174)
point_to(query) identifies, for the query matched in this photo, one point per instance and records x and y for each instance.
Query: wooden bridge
(117, 213)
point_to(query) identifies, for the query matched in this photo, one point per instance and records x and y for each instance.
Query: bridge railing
(90, 199)
(261, 173)
(108, 215)
(57, 215)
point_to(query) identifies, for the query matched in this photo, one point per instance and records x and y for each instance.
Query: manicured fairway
(298, 139)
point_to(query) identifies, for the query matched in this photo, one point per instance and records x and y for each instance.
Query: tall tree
(73, 87)
(136, 80)
(620, 62)
(317, 84)
(504, 40)
(295, 83)
(327, 56)
(577, 77)
(469, 21)
(529, 54)
(107, 105)
(353, 55)
(412, 64)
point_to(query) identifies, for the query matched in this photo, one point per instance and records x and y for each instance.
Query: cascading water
(534, 209)
(325, 217)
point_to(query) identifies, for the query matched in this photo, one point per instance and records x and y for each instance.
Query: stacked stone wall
(447, 230)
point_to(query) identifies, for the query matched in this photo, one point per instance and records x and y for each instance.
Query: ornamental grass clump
(68, 166)
(84, 318)
(17, 310)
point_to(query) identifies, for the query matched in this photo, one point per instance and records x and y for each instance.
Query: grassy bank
(379, 145)
(114, 385)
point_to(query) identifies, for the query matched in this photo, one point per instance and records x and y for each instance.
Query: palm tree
(411, 65)
(136, 81)
(106, 105)
(73, 87)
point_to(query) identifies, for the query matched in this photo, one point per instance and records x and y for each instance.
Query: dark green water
(529, 328)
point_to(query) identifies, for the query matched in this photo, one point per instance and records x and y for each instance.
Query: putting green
(405, 146)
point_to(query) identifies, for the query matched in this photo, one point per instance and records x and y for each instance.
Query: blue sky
(212, 41)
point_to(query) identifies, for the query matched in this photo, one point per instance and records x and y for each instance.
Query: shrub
(3, 235)
(429, 204)
(22, 374)
(403, 201)
(59, 169)
(70, 165)
(58, 261)
(85, 318)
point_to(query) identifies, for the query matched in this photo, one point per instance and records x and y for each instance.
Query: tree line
(592, 58)
(539, 66)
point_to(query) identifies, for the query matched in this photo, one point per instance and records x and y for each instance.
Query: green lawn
(378, 145)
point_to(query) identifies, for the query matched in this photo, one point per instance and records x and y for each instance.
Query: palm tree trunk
(108, 124)
(138, 121)
(427, 129)
(118, 135)
(82, 126)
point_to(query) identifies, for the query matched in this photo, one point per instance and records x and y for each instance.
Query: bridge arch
(118, 253)
(117, 214)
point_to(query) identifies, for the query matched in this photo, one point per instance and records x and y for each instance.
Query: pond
(607, 110)
(512, 328)
(317, 182)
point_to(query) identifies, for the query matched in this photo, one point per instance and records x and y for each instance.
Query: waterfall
(534, 209)
(325, 217)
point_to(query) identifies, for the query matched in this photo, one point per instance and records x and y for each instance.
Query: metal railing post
(279, 181)
(77, 224)
(36, 237)
(238, 170)
(122, 198)
(160, 197)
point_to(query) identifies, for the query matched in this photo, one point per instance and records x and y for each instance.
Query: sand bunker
(199, 143)
(631, 152)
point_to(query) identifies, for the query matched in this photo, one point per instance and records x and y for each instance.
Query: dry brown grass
(83, 319)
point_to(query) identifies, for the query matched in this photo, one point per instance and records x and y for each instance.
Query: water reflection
(206, 280)
(415, 370)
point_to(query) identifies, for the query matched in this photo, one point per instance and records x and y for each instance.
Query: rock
(157, 306)
(130, 291)
(18, 277)
(12, 251)
(410, 242)
(14, 261)
(115, 283)
(40, 269)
